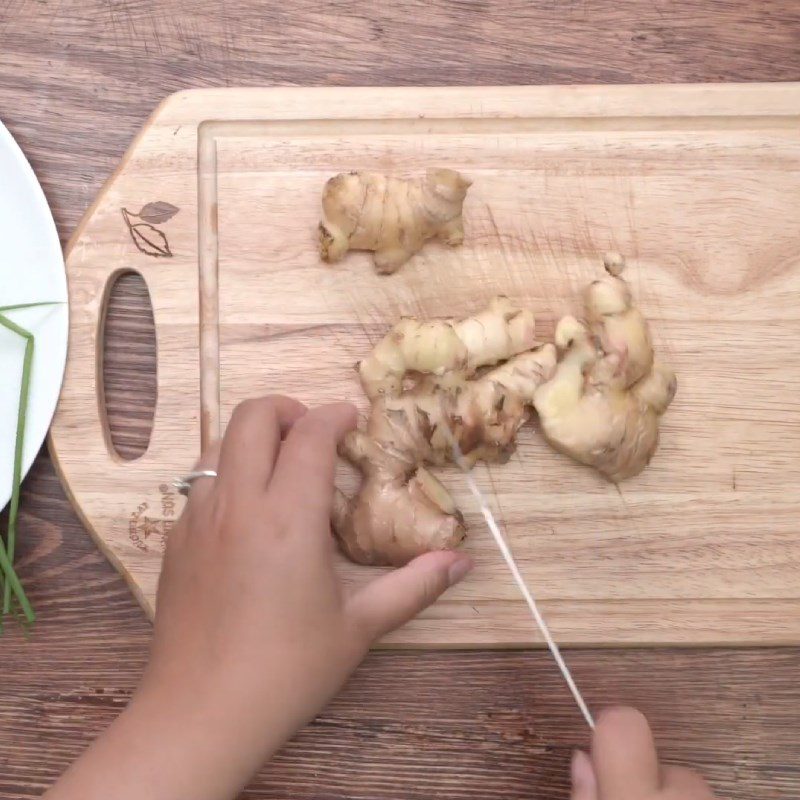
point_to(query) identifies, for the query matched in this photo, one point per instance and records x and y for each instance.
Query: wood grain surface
(77, 79)
(220, 198)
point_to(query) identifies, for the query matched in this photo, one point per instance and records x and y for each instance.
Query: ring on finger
(185, 483)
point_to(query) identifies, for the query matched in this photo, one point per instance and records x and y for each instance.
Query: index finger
(252, 441)
(303, 475)
(624, 755)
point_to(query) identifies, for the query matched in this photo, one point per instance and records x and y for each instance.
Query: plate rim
(50, 232)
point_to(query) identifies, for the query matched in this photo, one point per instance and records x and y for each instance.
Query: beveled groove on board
(78, 80)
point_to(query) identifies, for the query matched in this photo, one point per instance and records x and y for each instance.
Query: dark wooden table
(77, 80)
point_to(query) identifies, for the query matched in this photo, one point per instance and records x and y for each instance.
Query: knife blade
(499, 539)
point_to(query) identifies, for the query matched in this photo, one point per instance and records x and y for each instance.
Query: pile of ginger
(598, 390)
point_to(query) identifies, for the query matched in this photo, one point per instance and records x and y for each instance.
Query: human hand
(254, 630)
(624, 765)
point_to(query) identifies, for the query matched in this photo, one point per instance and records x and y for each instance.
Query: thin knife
(494, 529)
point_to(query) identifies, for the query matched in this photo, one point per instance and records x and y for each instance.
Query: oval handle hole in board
(129, 373)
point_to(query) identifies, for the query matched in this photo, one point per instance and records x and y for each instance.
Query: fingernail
(458, 570)
(582, 771)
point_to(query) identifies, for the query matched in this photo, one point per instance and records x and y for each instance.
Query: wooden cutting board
(698, 186)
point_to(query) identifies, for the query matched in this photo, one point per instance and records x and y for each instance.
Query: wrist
(198, 741)
(202, 733)
(161, 748)
(223, 724)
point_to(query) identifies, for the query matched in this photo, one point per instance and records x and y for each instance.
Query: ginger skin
(603, 404)
(391, 216)
(402, 510)
(483, 414)
(446, 345)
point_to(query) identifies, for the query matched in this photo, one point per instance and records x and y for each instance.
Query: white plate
(31, 271)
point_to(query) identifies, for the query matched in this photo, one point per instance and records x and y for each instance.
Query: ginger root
(603, 404)
(391, 216)
(446, 345)
(402, 510)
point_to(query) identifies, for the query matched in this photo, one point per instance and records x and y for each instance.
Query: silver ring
(185, 483)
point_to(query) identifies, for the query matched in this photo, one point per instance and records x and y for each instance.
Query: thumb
(395, 598)
(624, 755)
(584, 782)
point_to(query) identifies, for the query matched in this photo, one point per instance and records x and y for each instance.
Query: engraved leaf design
(158, 212)
(150, 240)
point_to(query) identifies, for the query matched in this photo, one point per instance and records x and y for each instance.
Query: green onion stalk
(11, 583)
